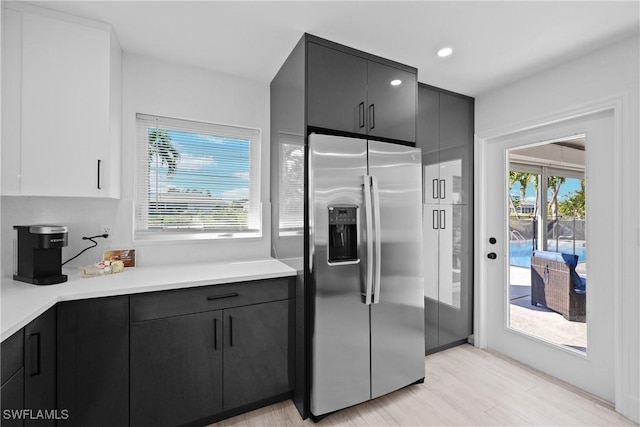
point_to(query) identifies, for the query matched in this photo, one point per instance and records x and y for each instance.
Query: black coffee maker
(38, 253)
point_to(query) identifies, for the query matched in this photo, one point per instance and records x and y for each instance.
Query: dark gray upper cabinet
(337, 89)
(429, 120)
(40, 366)
(391, 105)
(351, 91)
(456, 120)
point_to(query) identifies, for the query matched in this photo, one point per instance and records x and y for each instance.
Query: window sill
(155, 238)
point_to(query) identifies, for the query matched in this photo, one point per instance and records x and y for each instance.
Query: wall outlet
(105, 229)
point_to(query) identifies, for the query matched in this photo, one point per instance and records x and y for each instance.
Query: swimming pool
(520, 251)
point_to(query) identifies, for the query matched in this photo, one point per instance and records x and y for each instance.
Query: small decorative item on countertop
(127, 256)
(101, 268)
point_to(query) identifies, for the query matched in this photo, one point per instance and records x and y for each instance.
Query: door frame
(617, 106)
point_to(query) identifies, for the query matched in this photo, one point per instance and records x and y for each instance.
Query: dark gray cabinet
(256, 353)
(40, 366)
(29, 373)
(392, 102)
(203, 354)
(445, 134)
(336, 89)
(12, 376)
(354, 92)
(176, 369)
(93, 361)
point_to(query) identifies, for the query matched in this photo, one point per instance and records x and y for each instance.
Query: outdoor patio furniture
(556, 285)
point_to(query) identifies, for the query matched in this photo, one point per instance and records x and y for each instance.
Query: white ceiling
(495, 42)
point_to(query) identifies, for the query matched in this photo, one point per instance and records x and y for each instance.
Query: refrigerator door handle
(378, 241)
(368, 218)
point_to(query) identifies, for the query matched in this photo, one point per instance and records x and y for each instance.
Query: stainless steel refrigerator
(365, 270)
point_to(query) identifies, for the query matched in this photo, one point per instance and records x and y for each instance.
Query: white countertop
(22, 302)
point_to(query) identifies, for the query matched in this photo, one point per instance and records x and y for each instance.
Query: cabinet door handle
(434, 188)
(443, 189)
(34, 344)
(443, 217)
(99, 167)
(214, 297)
(215, 333)
(434, 220)
(230, 331)
(372, 116)
(361, 115)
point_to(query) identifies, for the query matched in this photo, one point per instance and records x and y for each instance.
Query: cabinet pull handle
(230, 331)
(443, 218)
(215, 333)
(372, 116)
(443, 189)
(434, 219)
(434, 188)
(361, 115)
(34, 342)
(214, 297)
(99, 166)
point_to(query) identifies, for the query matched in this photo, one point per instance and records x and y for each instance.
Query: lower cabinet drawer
(156, 305)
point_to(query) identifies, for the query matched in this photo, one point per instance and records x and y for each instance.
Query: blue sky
(570, 185)
(219, 164)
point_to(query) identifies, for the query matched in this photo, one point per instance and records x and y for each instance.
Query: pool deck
(539, 321)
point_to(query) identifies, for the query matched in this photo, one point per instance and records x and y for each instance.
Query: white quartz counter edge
(22, 302)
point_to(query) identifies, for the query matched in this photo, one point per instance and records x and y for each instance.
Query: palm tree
(161, 145)
(554, 182)
(523, 179)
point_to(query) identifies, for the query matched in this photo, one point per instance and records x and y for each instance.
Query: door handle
(443, 189)
(434, 188)
(492, 255)
(378, 242)
(230, 331)
(34, 344)
(361, 115)
(369, 220)
(99, 167)
(435, 220)
(443, 217)
(215, 333)
(215, 297)
(372, 116)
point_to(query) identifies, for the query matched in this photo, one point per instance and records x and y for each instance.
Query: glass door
(504, 294)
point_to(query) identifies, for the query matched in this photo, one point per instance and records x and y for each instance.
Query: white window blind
(196, 180)
(291, 152)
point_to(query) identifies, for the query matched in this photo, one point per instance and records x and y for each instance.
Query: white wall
(154, 87)
(612, 72)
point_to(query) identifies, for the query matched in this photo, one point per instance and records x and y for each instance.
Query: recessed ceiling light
(444, 52)
(396, 82)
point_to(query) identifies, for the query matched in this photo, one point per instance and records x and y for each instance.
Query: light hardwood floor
(464, 386)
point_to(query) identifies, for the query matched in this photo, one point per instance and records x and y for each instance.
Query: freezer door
(340, 373)
(397, 319)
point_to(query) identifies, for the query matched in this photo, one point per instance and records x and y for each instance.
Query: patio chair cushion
(579, 282)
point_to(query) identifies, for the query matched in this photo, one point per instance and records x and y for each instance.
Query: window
(291, 186)
(196, 180)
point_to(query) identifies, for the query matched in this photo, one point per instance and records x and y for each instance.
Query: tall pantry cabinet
(445, 135)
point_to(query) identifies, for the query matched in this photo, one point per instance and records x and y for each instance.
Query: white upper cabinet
(61, 105)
